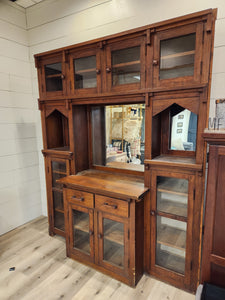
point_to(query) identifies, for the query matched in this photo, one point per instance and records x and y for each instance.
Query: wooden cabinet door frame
(181, 280)
(47, 61)
(129, 43)
(49, 177)
(196, 28)
(100, 237)
(81, 54)
(76, 252)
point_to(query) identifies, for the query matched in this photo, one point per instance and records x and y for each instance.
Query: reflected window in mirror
(118, 136)
(183, 129)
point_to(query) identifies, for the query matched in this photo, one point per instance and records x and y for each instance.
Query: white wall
(19, 172)
(55, 23)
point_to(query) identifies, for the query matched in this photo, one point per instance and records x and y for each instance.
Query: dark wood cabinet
(213, 257)
(153, 83)
(100, 229)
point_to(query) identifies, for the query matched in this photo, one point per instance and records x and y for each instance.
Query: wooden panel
(79, 197)
(111, 205)
(218, 247)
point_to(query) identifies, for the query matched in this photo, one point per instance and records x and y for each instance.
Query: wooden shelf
(83, 224)
(172, 237)
(53, 75)
(127, 64)
(177, 67)
(173, 186)
(115, 233)
(170, 261)
(59, 172)
(85, 71)
(59, 209)
(172, 207)
(180, 54)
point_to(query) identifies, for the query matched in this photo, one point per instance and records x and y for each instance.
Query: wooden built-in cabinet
(104, 226)
(164, 69)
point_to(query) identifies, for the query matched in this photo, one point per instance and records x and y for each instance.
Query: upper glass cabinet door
(52, 77)
(85, 71)
(125, 64)
(177, 57)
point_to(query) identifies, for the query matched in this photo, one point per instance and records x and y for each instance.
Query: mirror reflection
(183, 129)
(118, 136)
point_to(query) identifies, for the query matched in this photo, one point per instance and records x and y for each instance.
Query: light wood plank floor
(42, 271)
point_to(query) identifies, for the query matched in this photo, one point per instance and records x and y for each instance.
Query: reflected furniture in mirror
(122, 121)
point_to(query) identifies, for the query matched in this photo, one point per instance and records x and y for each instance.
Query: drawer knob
(153, 213)
(110, 205)
(62, 76)
(98, 71)
(91, 232)
(155, 62)
(78, 199)
(108, 69)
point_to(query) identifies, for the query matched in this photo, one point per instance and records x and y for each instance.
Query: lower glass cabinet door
(81, 235)
(113, 242)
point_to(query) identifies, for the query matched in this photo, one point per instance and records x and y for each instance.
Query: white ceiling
(27, 3)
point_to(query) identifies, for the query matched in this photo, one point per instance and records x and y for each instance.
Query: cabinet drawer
(111, 205)
(79, 197)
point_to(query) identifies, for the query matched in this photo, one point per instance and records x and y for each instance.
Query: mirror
(118, 136)
(183, 129)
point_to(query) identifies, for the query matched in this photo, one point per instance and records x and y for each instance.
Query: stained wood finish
(112, 245)
(124, 187)
(41, 262)
(68, 130)
(213, 258)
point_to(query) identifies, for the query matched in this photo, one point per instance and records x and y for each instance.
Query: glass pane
(113, 242)
(85, 72)
(58, 171)
(53, 77)
(177, 57)
(58, 200)
(81, 237)
(184, 129)
(53, 69)
(172, 195)
(126, 66)
(59, 220)
(171, 244)
(119, 136)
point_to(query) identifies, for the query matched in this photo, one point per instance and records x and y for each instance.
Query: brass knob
(155, 62)
(62, 76)
(153, 213)
(108, 69)
(98, 71)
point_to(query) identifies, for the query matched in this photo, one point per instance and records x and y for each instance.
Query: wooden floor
(42, 271)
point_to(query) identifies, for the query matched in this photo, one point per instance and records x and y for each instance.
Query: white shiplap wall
(54, 23)
(19, 166)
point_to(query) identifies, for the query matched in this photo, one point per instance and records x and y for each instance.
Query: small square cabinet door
(125, 65)
(85, 72)
(53, 77)
(177, 56)
(113, 244)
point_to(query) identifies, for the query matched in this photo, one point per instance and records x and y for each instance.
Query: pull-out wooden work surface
(104, 222)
